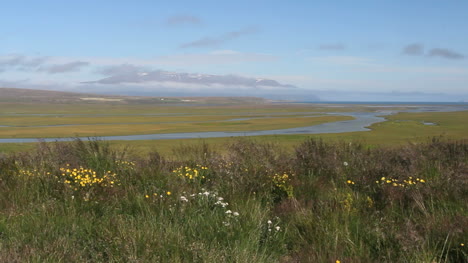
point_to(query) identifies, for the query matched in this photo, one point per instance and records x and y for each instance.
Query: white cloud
(363, 64)
(177, 60)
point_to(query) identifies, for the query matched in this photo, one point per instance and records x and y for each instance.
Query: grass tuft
(251, 202)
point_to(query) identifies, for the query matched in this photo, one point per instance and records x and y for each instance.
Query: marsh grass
(339, 201)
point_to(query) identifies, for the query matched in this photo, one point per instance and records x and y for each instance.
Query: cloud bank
(418, 50)
(445, 53)
(21, 62)
(39, 64)
(218, 40)
(413, 50)
(62, 68)
(130, 74)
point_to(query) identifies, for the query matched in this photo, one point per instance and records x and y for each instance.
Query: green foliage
(323, 202)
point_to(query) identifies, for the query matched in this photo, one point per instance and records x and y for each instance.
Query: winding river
(360, 123)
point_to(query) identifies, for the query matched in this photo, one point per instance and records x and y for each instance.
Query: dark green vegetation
(252, 202)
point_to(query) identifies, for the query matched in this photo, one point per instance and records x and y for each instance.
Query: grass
(126, 109)
(148, 128)
(399, 129)
(251, 202)
(25, 121)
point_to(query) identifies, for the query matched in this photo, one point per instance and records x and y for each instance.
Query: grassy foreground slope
(254, 202)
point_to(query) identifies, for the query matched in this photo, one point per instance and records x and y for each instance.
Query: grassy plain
(110, 129)
(42, 121)
(322, 202)
(391, 195)
(108, 119)
(399, 129)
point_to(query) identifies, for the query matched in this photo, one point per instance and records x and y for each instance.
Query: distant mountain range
(187, 78)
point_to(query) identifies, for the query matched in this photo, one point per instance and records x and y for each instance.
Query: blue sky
(336, 50)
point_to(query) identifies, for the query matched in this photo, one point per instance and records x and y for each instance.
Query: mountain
(161, 76)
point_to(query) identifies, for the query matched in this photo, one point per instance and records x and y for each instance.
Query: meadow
(396, 193)
(108, 119)
(254, 202)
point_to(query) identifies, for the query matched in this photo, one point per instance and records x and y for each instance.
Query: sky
(335, 50)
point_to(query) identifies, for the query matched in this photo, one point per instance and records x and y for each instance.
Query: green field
(110, 129)
(400, 129)
(252, 202)
(395, 193)
(108, 119)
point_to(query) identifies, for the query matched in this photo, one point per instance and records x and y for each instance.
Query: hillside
(48, 96)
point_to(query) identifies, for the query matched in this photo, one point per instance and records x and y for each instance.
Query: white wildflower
(277, 228)
(183, 198)
(235, 214)
(228, 212)
(206, 193)
(220, 199)
(269, 222)
(345, 163)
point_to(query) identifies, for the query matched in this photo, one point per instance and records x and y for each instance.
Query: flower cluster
(401, 183)
(156, 195)
(282, 182)
(212, 198)
(85, 178)
(273, 226)
(191, 173)
(221, 202)
(125, 165)
(231, 217)
(348, 202)
(31, 173)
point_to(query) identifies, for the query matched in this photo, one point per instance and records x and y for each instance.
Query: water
(134, 123)
(390, 103)
(428, 123)
(360, 123)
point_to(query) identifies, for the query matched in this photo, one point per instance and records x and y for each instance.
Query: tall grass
(87, 202)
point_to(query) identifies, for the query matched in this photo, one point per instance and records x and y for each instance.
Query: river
(360, 123)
